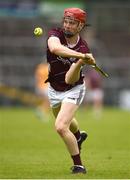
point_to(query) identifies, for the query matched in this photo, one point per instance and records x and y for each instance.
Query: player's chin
(68, 33)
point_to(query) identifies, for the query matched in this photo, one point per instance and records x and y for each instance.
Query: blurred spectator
(94, 94)
(124, 99)
(41, 88)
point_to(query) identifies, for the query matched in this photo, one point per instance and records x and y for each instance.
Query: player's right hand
(88, 59)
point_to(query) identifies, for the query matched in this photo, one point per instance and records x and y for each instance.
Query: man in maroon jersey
(67, 52)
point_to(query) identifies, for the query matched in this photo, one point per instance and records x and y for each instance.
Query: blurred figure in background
(94, 94)
(41, 89)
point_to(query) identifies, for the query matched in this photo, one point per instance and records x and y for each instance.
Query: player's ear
(80, 26)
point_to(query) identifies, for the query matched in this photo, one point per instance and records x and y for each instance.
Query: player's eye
(71, 22)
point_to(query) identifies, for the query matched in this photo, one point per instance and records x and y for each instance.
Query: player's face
(70, 25)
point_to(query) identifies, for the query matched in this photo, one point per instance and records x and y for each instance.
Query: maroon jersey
(60, 65)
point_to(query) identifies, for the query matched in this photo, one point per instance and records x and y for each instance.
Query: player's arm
(57, 48)
(73, 73)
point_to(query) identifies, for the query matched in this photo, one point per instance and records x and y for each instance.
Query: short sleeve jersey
(60, 65)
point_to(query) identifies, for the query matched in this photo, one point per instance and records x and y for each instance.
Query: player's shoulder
(58, 32)
(84, 45)
(83, 42)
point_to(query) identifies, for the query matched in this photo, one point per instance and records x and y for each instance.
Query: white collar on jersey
(73, 45)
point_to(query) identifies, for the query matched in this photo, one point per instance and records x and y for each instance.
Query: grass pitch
(30, 148)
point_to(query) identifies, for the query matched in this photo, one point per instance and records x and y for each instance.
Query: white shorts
(74, 95)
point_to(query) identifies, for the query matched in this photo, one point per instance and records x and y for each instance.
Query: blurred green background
(31, 149)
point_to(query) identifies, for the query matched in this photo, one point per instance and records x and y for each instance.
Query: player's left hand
(89, 59)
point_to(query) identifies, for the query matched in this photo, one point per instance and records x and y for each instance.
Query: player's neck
(73, 40)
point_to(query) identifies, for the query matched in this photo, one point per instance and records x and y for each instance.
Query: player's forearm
(73, 74)
(63, 51)
(57, 48)
(66, 52)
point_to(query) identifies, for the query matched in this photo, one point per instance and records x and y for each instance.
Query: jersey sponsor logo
(64, 61)
(68, 61)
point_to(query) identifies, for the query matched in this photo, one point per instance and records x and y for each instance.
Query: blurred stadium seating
(20, 51)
